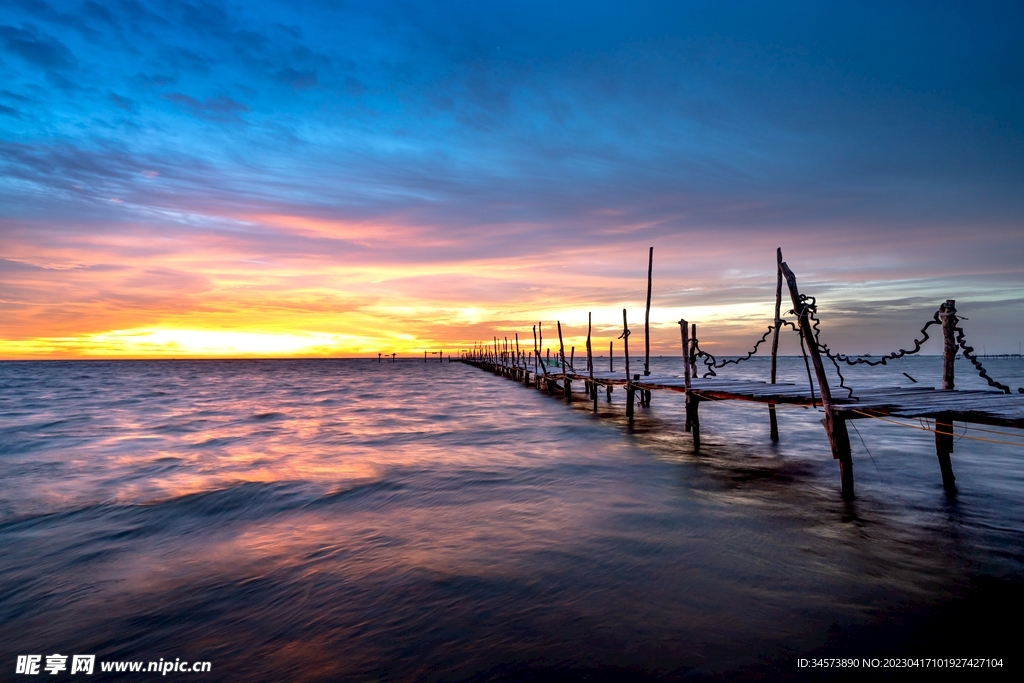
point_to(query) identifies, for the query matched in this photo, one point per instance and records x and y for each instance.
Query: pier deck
(976, 406)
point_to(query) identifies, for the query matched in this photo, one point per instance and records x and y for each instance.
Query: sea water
(356, 520)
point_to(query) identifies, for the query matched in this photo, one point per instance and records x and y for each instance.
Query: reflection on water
(309, 520)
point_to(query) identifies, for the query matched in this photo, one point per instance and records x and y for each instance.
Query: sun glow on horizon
(197, 343)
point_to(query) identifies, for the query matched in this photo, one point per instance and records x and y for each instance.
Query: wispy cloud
(218, 108)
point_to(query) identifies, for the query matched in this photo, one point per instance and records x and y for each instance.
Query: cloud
(37, 48)
(123, 103)
(220, 108)
(300, 80)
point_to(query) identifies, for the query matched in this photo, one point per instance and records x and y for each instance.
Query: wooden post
(629, 380)
(947, 312)
(772, 420)
(943, 449)
(590, 357)
(645, 395)
(944, 425)
(647, 317)
(542, 367)
(590, 365)
(611, 368)
(692, 401)
(686, 368)
(536, 351)
(565, 374)
(835, 421)
(424, 356)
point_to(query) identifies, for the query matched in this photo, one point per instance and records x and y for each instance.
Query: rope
(961, 340)
(750, 354)
(710, 362)
(969, 354)
(926, 429)
(807, 364)
(860, 360)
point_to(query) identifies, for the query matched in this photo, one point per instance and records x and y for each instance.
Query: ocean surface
(307, 520)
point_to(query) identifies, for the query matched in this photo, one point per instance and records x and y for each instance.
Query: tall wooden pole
(772, 419)
(590, 364)
(647, 316)
(944, 424)
(590, 358)
(835, 421)
(685, 338)
(947, 313)
(692, 402)
(629, 380)
(565, 374)
(536, 352)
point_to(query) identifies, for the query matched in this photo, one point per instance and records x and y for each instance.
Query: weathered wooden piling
(693, 401)
(947, 313)
(647, 316)
(835, 421)
(685, 338)
(540, 335)
(590, 365)
(772, 420)
(565, 374)
(944, 425)
(630, 391)
(536, 351)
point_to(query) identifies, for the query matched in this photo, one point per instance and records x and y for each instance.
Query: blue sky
(223, 165)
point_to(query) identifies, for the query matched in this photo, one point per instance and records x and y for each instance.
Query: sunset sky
(318, 178)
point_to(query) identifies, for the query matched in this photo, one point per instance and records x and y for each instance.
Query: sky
(191, 179)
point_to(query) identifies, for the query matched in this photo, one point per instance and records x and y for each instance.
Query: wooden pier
(996, 408)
